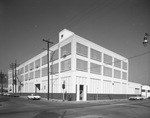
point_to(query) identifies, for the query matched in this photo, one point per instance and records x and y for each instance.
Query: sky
(118, 25)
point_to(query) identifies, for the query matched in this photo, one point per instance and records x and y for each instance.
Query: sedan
(34, 97)
(136, 98)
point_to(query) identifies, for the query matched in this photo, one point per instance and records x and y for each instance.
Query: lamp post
(145, 41)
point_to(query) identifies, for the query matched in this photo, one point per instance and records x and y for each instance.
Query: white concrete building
(88, 71)
(146, 91)
(134, 88)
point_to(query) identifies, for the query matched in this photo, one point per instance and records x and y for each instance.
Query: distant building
(146, 91)
(3, 82)
(87, 70)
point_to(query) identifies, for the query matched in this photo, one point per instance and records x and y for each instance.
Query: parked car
(34, 97)
(136, 98)
(14, 95)
(7, 94)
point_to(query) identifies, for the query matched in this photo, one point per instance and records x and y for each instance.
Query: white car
(136, 98)
(34, 97)
(6, 94)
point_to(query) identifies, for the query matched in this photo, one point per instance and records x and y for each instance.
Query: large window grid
(107, 59)
(26, 68)
(44, 71)
(124, 65)
(31, 75)
(21, 71)
(107, 71)
(54, 68)
(37, 73)
(82, 50)
(44, 60)
(66, 65)
(21, 78)
(124, 75)
(31, 66)
(37, 63)
(95, 55)
(66, 50)
(26, 77)
(117, 74)
(95, 68)
(117, 63)
(54, 55)
(82, 65)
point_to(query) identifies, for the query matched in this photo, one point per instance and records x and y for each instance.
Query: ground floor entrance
(37, 88)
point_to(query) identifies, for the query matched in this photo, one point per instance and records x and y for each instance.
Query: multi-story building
(146, 91)
(3, 83)
(87, 70)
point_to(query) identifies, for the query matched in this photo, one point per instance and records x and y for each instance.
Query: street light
(145, 41)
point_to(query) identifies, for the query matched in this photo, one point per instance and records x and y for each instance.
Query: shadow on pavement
(4, 99)
(46, 114)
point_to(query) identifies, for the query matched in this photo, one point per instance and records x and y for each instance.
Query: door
(81, 92)
(37, 88)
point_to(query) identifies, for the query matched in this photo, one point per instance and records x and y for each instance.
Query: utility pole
(12, 69)
(15, 66)
(48, 42)
(52, 53)
(1, 77)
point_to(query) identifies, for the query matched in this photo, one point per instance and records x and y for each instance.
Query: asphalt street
(11, 107)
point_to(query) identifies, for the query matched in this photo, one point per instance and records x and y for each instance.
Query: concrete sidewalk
(82, 102)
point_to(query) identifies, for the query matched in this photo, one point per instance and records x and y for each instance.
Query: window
(32, 66)
(21, 70)
(21, 78)
(107, 59)
(66, 50)
(54, 55)
(82, 65)
(44, 60)
(117, 74)
(37, 73)
(95, 68)
(26, 77)
(96, 55)
(143, 90)
(124, 65)
(31, 75)
(117, 63)
(82, 50)
(44, 71)
(66, 65)
(124, 75)
(107, 71)
(26, 68)
(37, 63)
(55, 68)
